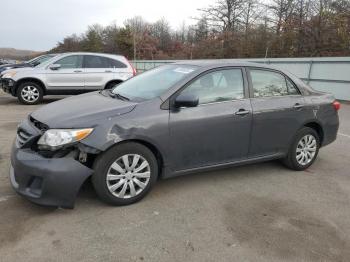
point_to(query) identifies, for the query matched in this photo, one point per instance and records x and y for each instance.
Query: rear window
(102, 62)
(269, 83)
(116, 64)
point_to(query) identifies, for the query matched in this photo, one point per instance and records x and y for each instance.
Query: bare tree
(228, 29)
(225, 14)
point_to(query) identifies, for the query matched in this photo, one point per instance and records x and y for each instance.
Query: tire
(112, 84)
(29, 93)
(295, 160)
(109, 182)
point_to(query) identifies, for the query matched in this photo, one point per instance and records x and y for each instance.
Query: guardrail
(328, 74)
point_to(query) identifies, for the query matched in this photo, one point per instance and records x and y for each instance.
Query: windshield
(153, 83)
(50, 60)
(40, 59)
(33, 60)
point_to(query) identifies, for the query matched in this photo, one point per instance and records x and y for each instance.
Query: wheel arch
(29, 79)
(318, 128)
(114, 81)
(154, 149)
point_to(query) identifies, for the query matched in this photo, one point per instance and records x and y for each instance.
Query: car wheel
(304, 149)
(125, 174)
(29, 93)
(112, 84)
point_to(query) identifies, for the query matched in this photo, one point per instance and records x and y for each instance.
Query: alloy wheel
(306, 149)
(128, 176)
(30, 94)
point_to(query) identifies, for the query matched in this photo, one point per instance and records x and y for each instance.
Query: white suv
(65, 74)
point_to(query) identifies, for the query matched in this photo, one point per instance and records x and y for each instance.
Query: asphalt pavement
(260, 212)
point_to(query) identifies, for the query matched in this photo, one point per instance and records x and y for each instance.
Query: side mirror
(186, 100)
(55, 66)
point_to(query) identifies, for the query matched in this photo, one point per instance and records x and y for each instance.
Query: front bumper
(46, 181)
(8, 85)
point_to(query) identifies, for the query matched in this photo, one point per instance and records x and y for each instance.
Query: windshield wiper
(119, 96)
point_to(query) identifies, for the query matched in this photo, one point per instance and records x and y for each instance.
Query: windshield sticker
(183, 70)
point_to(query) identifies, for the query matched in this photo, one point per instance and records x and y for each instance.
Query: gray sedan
(169, 121)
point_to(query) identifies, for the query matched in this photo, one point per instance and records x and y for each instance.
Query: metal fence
(328, 74)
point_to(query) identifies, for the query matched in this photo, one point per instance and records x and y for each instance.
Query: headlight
(54, 138)
(9, 74)
(2, 69)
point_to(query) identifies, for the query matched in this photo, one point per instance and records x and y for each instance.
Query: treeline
(229, 29)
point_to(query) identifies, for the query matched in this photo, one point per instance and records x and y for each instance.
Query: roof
(88, 53)
(222, 62)
(212, 64)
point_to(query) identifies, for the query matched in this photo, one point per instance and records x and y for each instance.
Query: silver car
(65, 74)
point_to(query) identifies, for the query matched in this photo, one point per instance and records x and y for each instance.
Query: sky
(39, 24)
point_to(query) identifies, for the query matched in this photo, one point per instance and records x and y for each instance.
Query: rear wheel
(29, 93)
(112, 84)
(304, 149)
(125, 174)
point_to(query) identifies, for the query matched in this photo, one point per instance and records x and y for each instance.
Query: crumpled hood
(81, 111)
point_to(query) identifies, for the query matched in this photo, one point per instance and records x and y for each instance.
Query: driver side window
(217, 86)
(68, 62)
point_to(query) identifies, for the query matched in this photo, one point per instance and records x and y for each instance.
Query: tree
(69, 44)
(92, 41)
(202, 29)
(224, 14)
(229, 29)
(161, 31)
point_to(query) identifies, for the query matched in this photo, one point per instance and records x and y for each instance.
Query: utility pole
(192, 44)
(267, 51)
(134, 44)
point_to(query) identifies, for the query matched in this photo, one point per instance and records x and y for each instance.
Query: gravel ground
(261, 212)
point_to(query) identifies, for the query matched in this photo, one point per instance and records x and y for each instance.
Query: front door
(70, 76)
(218, 129)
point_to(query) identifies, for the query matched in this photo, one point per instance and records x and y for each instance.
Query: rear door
(122, 68)
(218, 129)
(278, 111)
(99, 70)
(70, 76)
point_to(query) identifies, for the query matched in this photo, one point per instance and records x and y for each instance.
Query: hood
(82, 110)
(15, 65)
(18, 69)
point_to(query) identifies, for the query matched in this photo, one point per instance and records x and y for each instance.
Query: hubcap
(30, 94)
(128, 176)
(306, 149)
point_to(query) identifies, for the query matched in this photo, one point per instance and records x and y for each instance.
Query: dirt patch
(284, 230)
(57, 243)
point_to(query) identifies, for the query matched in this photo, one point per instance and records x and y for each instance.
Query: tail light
(336, 105)
(133, 69)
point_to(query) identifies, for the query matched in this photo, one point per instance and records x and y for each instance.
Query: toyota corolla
(173, 120)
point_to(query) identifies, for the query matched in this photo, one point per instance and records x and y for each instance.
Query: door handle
(242, 112)
(108, 71)
(298, 106)
(77, 71)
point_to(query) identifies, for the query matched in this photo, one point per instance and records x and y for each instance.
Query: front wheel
(29, 93)
(125, 174)
(304, 149)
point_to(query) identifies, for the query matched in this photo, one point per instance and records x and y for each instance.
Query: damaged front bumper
(46, 181)
(8, 85)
